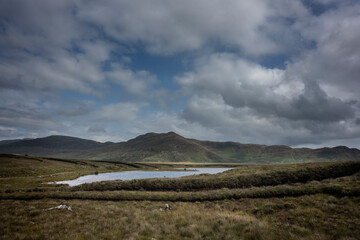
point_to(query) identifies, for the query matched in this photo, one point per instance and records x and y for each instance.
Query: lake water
(130, 175)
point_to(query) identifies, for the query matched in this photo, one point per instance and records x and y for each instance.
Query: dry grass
(315, 210)
(316, 217)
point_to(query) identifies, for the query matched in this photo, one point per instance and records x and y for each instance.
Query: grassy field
(252, 201)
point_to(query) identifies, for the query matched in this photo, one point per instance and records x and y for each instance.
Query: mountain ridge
(172, 147)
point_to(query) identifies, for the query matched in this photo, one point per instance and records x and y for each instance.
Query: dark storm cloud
(246, 125)
(233, 93)
(314, 104)
(267, 91)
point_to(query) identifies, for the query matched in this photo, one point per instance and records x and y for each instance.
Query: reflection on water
(129, 175)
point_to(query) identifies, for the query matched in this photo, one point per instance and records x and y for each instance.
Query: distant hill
(48, 146)
(4, 142)
(171, 147)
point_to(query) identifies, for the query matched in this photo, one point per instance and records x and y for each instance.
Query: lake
(130, 175)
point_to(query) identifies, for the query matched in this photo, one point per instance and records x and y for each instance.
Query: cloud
(96, 129)
(247, 126)
(68, 67)
(39, 27)
(169, 27)
(237, 124)
(65, 72)
(28, 119)
(337, 2)
(45, 48)
(242, 98)
(25, 113)
(119, 112)
(8, 132)
(76, 109)
(136, 83)
(164, 122)
(335, 62)
(245, 84)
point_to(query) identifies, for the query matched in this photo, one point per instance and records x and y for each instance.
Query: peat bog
(250, 201)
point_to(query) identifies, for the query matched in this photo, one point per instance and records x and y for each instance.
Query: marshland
(249, 201)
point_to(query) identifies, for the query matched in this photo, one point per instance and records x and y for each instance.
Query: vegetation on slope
(49, 146)
(171, 147)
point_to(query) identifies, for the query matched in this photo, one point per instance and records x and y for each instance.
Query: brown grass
(316, 217)
(315, 210)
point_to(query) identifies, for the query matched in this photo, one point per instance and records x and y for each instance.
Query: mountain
(171, 147)
(48, 146)
(5, 142)
(154, 147)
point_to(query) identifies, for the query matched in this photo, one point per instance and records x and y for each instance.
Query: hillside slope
(171, 147)
(49, 146)
(153, 147)
(280, 153)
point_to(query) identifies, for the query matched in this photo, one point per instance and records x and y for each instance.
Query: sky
(251, 71)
